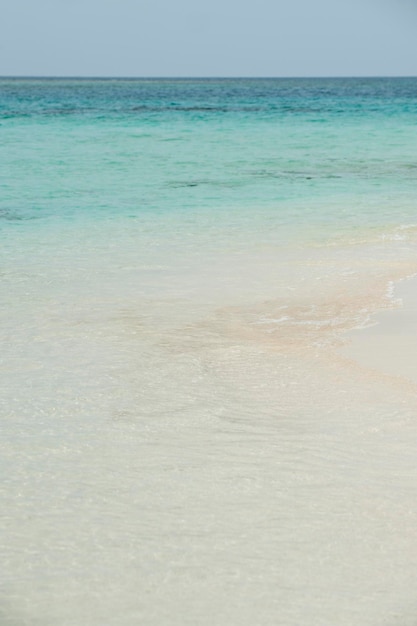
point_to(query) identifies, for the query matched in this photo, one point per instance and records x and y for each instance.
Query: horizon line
(196, 77)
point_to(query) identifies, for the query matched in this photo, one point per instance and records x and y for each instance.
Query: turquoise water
(124, 148)
(180, 261)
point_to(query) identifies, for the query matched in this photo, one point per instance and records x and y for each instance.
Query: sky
(210, 38)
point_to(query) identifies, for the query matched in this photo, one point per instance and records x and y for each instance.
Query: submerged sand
(206, 455)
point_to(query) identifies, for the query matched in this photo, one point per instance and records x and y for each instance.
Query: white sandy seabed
(252, 464)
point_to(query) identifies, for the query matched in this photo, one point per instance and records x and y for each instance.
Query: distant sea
(182, 442)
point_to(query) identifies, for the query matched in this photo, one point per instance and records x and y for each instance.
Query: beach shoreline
(388, 345)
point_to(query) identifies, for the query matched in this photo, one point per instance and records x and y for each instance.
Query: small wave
(272, 320)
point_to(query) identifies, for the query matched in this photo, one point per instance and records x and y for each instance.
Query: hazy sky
(211, 38)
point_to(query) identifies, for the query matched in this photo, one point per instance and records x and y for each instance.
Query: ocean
(183, 440)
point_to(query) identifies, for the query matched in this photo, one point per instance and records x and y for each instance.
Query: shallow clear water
(182, 443)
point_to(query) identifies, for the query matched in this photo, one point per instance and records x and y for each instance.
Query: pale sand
(390, 345)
